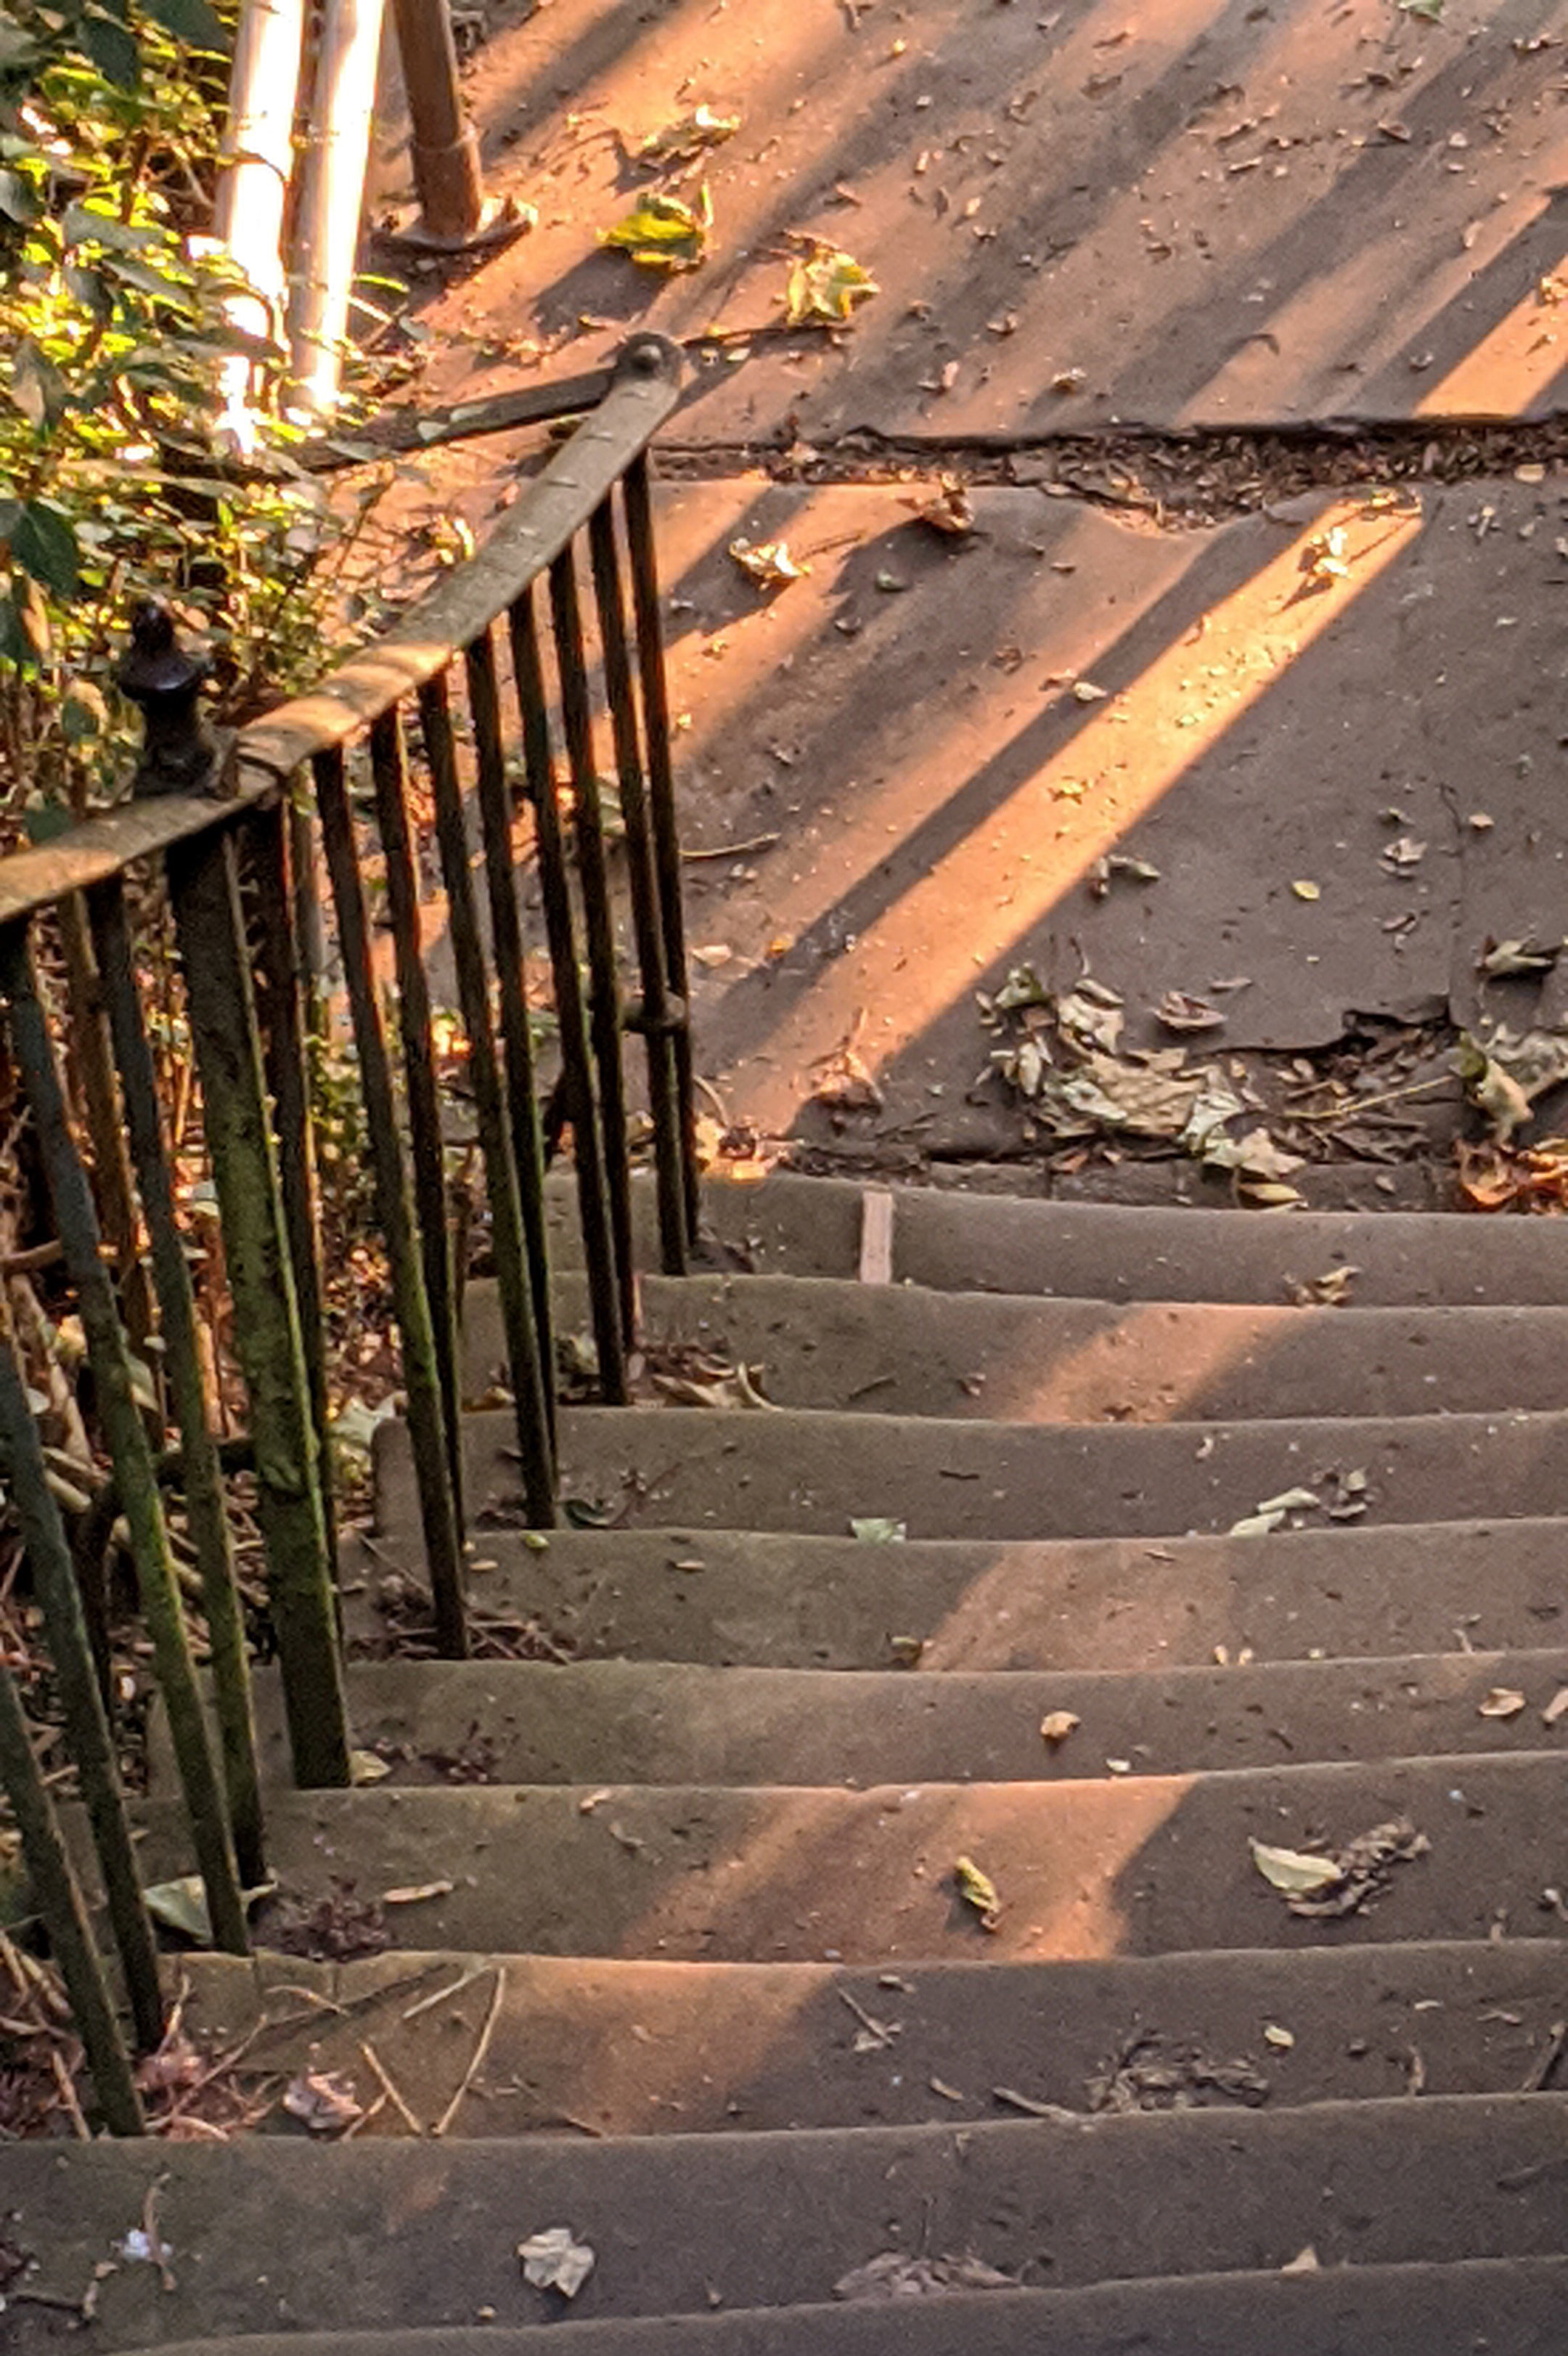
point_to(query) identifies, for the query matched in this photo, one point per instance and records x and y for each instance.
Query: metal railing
(237, 843)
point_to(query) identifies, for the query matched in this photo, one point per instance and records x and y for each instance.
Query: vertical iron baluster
(127, 1437)
(388, 768)
(577, 1076)
(500, 1178)
(637, 510)
(422, 1384)
(605, 996)
(663, 1098)
(203, 887)
(507, 951)
(60, 1902)
(271, 840)
(81, 1703)
(176, 1304)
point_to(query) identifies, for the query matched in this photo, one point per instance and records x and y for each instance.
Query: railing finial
(179, 752)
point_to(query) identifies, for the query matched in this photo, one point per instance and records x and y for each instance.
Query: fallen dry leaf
(1293, 1869)
(664, 232)
(894, 2274)
(1503, 1701)
(1305, 890)
(679, 142)
(767, 562)
(324, 2100)
(555, 2260)
(1556, 1707)
(416, 1893)
(978, 1891)
(825, 286)
(951, 512)
(1179, 1011)
(1056, 1724)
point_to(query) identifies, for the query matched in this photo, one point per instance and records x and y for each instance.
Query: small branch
(480, 2051)
(389, 2089)
(735, 850)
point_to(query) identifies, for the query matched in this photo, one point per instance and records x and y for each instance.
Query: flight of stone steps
(680, 1954)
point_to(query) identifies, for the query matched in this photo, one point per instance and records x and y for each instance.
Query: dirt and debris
(1149, 2072)
(334, 1928)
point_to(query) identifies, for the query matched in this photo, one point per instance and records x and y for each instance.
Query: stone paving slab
(906, 722)
(1198, 213)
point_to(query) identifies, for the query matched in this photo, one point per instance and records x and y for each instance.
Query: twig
(734, 849)
(364, 2119)
(1026, 2103)
(883, 2031)
(480, 2051)
(1545, 2067)
(68, 2094)
(389, 2089)
(456, 1988)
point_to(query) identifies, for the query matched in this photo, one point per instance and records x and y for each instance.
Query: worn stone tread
(967, 1242)
(1114, 1864)
(658, 1722)
(910, 1350)
(681, 2048)
(424, 2232)
(797, 1469)
(776, 1599)
(1409, 2310)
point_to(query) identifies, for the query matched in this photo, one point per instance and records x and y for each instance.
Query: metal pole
(447, 172)
(203, 1479)
(120, 1419)
(58, 1900)
(81, 1703)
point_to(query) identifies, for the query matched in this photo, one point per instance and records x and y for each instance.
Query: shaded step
(964, 1242)
(795, 1470)
(660, 1722)
(1123, 1865)
(902, 1350)
(644, 2049)
(1078, 1604)
(1508, 2305)
(425, 2233)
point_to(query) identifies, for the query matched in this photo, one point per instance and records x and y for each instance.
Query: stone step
(1107, 1866)
(906, 1350)
(1512, 2305)
(796, 1469)
(615, 2049)
(277, 2233)
(968, 1242)
(665, 1723)
(767, 1598)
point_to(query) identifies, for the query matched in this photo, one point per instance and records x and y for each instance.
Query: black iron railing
(504, 662)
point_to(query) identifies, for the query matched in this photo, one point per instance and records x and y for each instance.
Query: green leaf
(37, 388)
(16, 199)
(877, 1530)
(84, 714)
(191, 21)
(43, 821)
(110, 48)
(44, 544)
(85, 225)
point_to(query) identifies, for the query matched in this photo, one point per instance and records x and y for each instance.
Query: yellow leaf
(1291, 1870)
(1306, 890)
(664, 233)
(825, 285)
(978, 1891)
(768, 561)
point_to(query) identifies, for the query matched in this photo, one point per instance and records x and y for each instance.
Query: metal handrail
(225, 823)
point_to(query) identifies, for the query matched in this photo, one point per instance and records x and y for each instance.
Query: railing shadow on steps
(236, 835)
